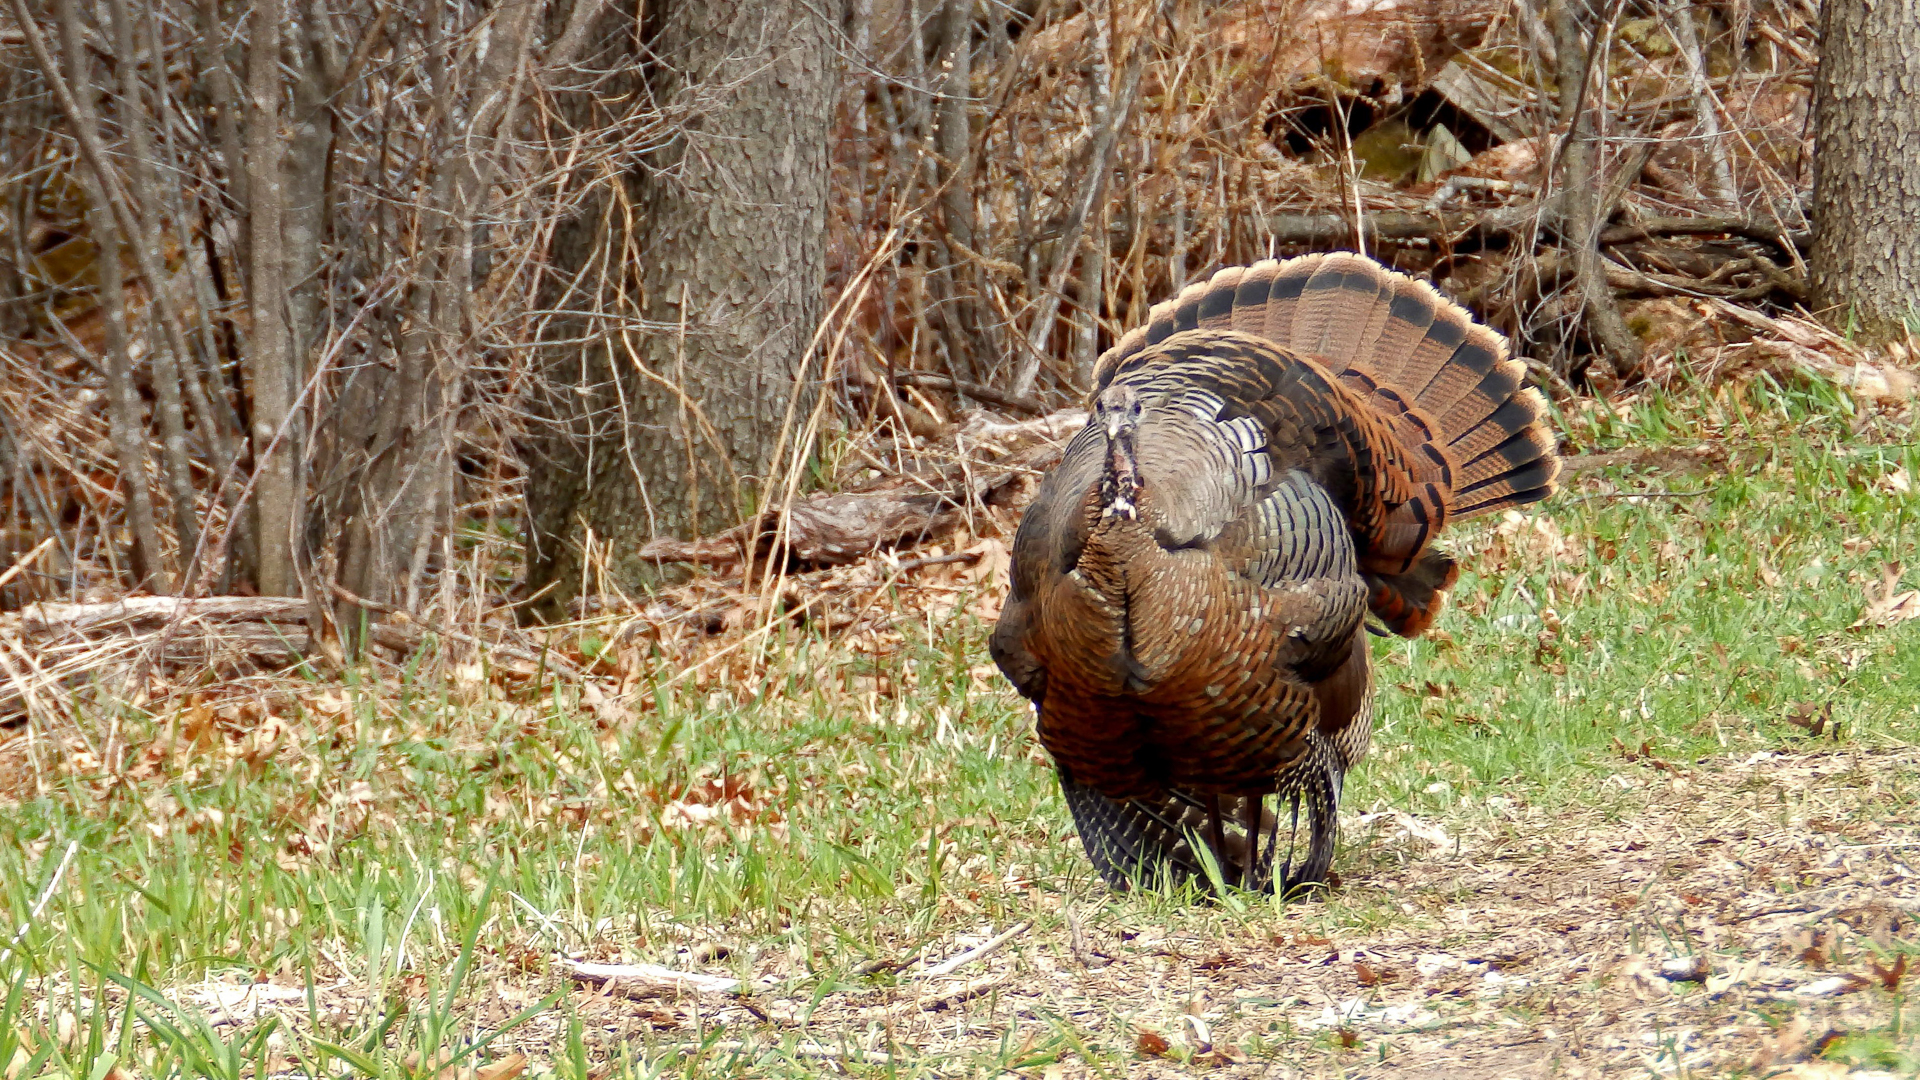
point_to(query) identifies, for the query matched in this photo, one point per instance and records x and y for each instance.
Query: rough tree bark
(667, 430)
(1866, 190)
(401, 430)
(123, 398)
(270, 356)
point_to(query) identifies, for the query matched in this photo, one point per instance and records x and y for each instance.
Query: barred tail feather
(1315, 782)
(1150, 842)
(1444, 382)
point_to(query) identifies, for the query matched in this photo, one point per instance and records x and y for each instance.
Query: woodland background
(501, 507)
(450, 211)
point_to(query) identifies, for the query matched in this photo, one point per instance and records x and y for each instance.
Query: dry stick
(679, 384)
(1652, 228)
(1581, 162)
(1092, 181)
(1706, 110)
(772, 584)
(220, 425)
(78, 108)
(20, 682)
(377, 295)
(40, 904)
(932, 1002)
(217, 83)
(121, 206)
(848, 301)
(412, 398)
(979, 952)
(1092, 284)
(860, 18)
(649, 977)
(1351, 174)
(207, 388)
(552, 659)
(460, 186)
(26, 560)
(169, 343)
(806, 1050)
(123, 402)
(988, 394)
(579, 21)
(953, 142)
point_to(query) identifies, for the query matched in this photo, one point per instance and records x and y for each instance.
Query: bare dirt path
(1746, 915)
(1728, 917)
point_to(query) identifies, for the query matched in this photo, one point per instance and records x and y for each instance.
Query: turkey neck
(1117, 411)
(1116, 533)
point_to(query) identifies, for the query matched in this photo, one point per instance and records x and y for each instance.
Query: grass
(400, 862)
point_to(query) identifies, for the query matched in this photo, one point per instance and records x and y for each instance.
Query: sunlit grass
(1686, 596)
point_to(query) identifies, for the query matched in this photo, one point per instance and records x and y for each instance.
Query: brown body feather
(1270, 457)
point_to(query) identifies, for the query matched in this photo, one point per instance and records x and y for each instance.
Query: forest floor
(1647, 804)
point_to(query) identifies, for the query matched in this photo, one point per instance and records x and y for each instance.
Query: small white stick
(984, 949)
(41, 904)
(650, 976)
(25, 560)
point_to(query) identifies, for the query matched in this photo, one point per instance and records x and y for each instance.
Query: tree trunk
(270, 358)
(668, 429)
(1866, 189)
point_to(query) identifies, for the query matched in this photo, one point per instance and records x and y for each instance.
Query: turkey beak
(1119, 410)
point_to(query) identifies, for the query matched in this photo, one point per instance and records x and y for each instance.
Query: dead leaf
(1890, 977)
(1150, 1043)
(1226, 1055)
(505, 1069)
(1805, 717)
(1644, 754)
(1789, 1043)
(1368, 975)
(1886, 604)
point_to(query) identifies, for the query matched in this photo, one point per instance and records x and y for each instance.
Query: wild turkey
(1267, 460)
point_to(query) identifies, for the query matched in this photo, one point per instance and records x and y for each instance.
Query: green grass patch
(400, 863)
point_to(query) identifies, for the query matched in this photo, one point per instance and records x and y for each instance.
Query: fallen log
(49, 648)
(54, 617)
(1812, 351)
(901, 509)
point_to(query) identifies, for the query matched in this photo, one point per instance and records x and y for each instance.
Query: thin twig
(464, 638)
(978, 952)
(26, 560)
(41, 904)
(651, 977)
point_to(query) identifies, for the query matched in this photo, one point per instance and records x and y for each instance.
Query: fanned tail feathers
(1472, 438)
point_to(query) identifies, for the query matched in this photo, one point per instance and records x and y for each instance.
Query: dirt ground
(1722, 917)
